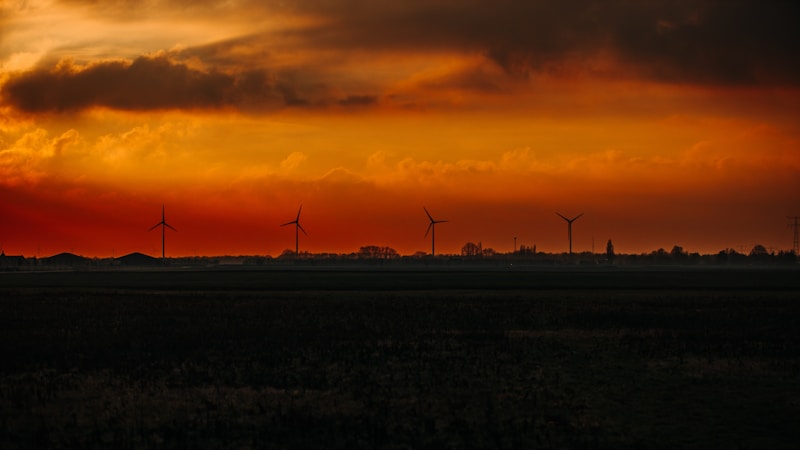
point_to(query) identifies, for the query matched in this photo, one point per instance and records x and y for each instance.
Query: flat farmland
(395, 358)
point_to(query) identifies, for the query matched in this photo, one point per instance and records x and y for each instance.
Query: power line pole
(796, 225)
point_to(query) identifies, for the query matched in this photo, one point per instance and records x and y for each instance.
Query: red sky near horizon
(664, 123)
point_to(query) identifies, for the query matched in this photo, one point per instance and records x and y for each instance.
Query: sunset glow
(664, 123)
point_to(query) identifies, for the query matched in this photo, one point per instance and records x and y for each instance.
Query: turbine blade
(430, 225)
(440, 221)
(288, 223)
(169, 226)
(301, 228)
(155, 226)
(576, 217)
(559, 215)
(429, 214)
(298, 213)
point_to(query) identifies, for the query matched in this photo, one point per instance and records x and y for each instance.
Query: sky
(664, 122)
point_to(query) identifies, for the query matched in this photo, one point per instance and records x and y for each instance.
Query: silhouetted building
(137, 259)
(65, 259)
(10, 261)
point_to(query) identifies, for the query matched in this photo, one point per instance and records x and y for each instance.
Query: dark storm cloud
(146, 83)
(232, 53)
(158, 83)
(704, 41)
(730, 42)
(708, 42)
(358, 100)
(700, 41)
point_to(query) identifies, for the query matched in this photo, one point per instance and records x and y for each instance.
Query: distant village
(471, 254)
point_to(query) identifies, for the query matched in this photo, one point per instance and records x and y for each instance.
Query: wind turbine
(297, 227)
(163, 224)
(569, 228)
(432, 229)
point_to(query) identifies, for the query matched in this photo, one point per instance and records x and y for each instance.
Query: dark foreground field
(377, 359)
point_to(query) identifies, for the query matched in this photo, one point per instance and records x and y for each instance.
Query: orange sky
(665, 124)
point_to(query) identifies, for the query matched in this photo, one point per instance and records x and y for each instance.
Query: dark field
(317, 358)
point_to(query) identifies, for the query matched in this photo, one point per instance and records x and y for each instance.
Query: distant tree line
(758, 255)
(473, 250)
(376, 252)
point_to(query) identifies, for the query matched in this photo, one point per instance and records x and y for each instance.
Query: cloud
(143, 156)
(337, 54)
(358, 100)
(159, 83)
(126, 10)
(293, 161)
(743, 42)
(341, 176)
(35, 156)
(145, 84)
(708, 41)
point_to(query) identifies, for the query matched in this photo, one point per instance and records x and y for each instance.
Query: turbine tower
(297, 227)
(163, 224)
(569, 228)
(432, 229)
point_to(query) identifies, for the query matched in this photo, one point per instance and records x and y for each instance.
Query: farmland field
(368, 358)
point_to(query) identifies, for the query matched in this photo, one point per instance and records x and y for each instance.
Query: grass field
(394, 359)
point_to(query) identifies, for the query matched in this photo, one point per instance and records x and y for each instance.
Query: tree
(471, 249)
(376, 252)
(610, 251)
(759, 254)
(370, 252)
(659, 255)
(786, 257)
(525, 250)
(730, 256)
(759, 251)
(678, 253)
